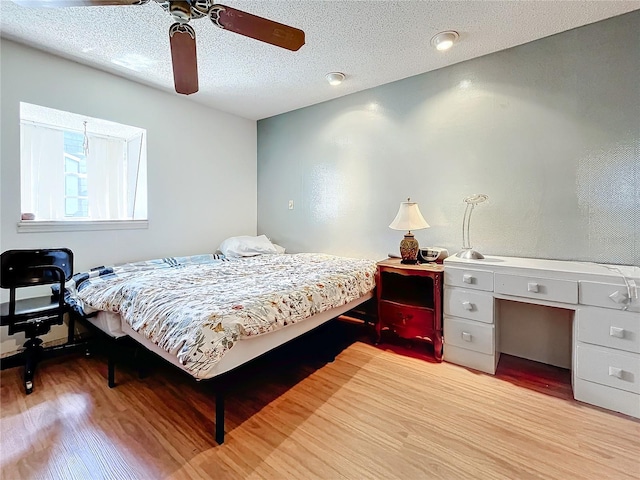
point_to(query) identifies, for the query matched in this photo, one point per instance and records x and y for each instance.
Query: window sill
(35, 226)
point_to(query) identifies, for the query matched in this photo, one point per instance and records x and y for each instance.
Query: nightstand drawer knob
(467, 337)
(404, 318)
(467, 278)
(616, 372)
(467, 305)
(616, 332)
(533, 287)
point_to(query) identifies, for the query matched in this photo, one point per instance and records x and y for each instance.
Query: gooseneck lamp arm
(466, 223)
(467, 250)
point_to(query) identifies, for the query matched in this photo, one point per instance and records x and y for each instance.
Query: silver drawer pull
(616, 332)
(616, 372)
(532, 287)
(467, 337)
(619, 297)
(467, 278)
(467, 305)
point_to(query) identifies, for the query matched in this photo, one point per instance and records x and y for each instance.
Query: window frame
(34, 226)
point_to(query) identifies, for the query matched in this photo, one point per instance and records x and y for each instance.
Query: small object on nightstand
(432, 254)
(410, 301)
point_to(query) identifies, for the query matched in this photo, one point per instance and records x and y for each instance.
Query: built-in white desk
(605, 354)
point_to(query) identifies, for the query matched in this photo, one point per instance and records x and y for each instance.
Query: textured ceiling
(372, 42)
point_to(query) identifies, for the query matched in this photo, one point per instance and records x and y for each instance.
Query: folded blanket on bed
(197, 308)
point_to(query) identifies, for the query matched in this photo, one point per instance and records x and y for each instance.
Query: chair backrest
(26, 268)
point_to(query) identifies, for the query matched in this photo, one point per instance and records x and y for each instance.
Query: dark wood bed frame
(116, 346)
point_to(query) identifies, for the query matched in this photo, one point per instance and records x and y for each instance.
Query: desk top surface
(559, 267)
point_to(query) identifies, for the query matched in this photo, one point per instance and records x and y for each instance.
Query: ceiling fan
(182, 36)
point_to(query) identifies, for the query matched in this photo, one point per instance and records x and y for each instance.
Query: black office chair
(35, 316)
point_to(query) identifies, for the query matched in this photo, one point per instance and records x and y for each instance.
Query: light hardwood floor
(370, 414)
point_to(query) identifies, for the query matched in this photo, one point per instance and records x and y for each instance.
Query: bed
(208, 314)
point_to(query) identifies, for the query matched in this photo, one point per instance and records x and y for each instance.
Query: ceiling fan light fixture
(444, 40)
(334, 78)
(182, 37)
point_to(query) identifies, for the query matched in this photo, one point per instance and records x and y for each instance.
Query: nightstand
(410, 301)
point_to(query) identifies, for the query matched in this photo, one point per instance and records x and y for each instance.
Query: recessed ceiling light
(334, 78)
(444, 40)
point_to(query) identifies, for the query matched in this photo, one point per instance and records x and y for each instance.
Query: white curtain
(42, 172)
(106, 178)
(136, 177)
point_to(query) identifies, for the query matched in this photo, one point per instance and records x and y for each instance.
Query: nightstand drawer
(406, 321)
(465, 278)
(475, 336)
(468, 304)
(607, 295)
(550, 289)
(599, 326)
(609, 367)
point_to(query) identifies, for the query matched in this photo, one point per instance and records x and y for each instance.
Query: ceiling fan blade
(76, 3)
(256, 27)
(183, 55)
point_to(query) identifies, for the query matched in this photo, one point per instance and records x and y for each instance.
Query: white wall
(201, 163)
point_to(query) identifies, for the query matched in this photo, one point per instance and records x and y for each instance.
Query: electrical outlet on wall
(290, 204)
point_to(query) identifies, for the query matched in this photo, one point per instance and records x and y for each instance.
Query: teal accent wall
(549, 130)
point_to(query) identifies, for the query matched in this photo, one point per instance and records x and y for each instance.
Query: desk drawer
(475, 336)
(473, 305)
(550, 289)
(607, 295)
(608, 367)
(465, 278)
(600, 326)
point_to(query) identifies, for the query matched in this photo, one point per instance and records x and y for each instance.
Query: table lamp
(467, 251)
(409, 218)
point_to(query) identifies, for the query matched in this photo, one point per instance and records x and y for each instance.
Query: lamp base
(409, 262)
(409, 249)
(469, 254)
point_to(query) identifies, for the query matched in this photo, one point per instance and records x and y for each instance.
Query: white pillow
(279, 250)
(247, 246)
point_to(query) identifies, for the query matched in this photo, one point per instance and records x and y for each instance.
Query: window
(76, 200)
(75, 168)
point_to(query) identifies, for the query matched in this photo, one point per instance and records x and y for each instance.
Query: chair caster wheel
(28, 386)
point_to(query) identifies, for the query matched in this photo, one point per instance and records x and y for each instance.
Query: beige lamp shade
(409, 217)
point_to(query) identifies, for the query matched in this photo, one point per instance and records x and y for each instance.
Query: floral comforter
(197, 308)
